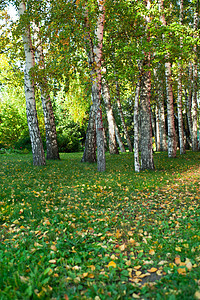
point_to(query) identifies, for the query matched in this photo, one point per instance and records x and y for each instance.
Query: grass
(69, 232)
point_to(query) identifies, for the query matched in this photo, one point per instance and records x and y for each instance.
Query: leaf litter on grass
(82, 234)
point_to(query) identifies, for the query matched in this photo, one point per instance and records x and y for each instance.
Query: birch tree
(179, 100)
(36, 141)
(49, 119)
(170, 104)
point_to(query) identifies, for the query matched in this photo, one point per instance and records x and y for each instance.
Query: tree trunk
(195, 80)
(136, 128)
(119, 139)
(95, 59)
(170, 105)
(189, 98)
(89, 154)
(49, 119)
(110, 117)
(36, 141)
(146, 129)
(158, 148)
(162, 126)
(179, 100)
(122, 119)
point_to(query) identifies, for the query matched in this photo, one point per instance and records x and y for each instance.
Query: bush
(68, 143)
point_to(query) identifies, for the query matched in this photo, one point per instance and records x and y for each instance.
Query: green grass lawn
(69, 232)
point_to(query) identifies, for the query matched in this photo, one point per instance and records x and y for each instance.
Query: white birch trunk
(36, 141)
(179, 100)
(170, 105)
(119, 139)
(49, 119)
(95, 58)
(110, 117)
(146, 128)
(195, 79)
(136, 128)
(189, 99)
(157, 129)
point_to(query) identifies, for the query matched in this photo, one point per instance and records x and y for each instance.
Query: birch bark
(49, 119)
(36, 141)
(195, 80)
(179, 100)
(136, 128)
(110, 117)
(170, 104)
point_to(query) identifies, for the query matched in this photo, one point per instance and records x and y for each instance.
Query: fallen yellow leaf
(181, 270)
(151, 252)
(112, 264)
(177, 260)
(152, 270)
(138, 273)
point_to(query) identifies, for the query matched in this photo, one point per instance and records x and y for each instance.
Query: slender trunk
(136, 128)
(119, 139)
(146, 129)
(89, 154)
(158, 148)
(110, 117)
(153, 125)
(122, 119)
(189, 99)
(170, 105)
(36, 141)
(179, 100)
(49, 119)
(195, 80)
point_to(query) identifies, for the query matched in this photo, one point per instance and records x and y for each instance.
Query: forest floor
(69, 232)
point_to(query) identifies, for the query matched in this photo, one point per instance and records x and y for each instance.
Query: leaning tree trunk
(110, 117)
(179, 100)
(119, 139)
(89, 154)
(170, 104)
(136, 128)
(146, 129)
(36, 141)
(122, 119)
(49, 119)
(195, 80)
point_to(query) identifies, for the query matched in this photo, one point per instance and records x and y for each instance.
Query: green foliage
(68, 232)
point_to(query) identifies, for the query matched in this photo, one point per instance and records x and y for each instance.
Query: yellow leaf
(130, 233)
(197, 295)
(137, 267)
(181, 270)
(132, 241)
(37, 245)
(144, 275)
(84, 275)
(178, 249)
(138, 273)
(151, 252)
(92, 267)
(152, 270)
(53, 247)
(91, 275)
(112, 264)
(122, 247)
(135, 296)
(177, 260)
(189, 265)
(128, 263)
(159, 272)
